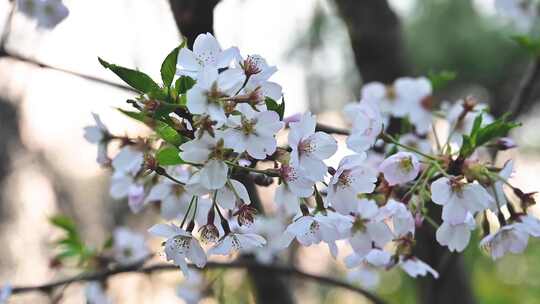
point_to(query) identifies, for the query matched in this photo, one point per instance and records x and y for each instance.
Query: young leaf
(169, 134)
(531, 45)
(135, 115)
(65, 223)
(480, 136)
(169, 156)
(183, 84)
(440, 79)
(168, 67)
(137, 80)
(272, 105)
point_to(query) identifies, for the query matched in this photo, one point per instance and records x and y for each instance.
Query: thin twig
(331, 129)
(136, 268)
(524, 93)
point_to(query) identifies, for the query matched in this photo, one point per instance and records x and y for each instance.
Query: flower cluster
(216, 127)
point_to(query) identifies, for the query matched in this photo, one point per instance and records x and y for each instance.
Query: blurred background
(324, 50)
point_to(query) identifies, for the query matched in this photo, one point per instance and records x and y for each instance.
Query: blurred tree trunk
(376, 38)
(194, 17)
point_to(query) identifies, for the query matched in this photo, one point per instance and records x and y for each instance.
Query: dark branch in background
(376, 39)
(136, 268)
(193, 17)
(525, 93)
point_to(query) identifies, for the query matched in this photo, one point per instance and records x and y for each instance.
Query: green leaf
(169, 156)
(167, 132)
(183, 84)
(441, 79)
(529, 44)
(272, 105)
(137, 80)
(168, 67)
(480, 136)
(65, 223)
(135, 115)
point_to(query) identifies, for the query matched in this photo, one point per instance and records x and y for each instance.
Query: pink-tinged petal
(207, 48)
(214, 174)
(303, 128)
(187, 62)
(163, 230)
(454, 213)
(373, 91)
(441, 191)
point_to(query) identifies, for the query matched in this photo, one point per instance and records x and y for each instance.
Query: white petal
(214, 174)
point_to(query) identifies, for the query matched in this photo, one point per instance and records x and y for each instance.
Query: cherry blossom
(458, 198)
(509, 238)
(95, 294)
(252, 131)
(367, 125)
(233, 241)
(456, 236)
(48, 13)
(205, 96)
(180, 246)
(415, 267)
(400, 218)
(352, 177)
(522, 13)
(310, 148)
(128, 246)
(207, 150)
(174, 198)
(295, 184)
(400, 168)
(206, 53)
(366, 276)
(98, 134)
(191, 289)
(5, 293)
(497, 189)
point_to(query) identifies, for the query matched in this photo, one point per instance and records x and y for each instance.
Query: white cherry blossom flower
(456, 236)
(309, 230)
(174, 197)
(5, 293)
(207, 150)
(390, 99)
(180, 246)
(416, 267)
(252, 131)
(310, 148)
(226, 197)
(529, 224)
(271, 228)
(419, 110)
(233, 241)
(205, 96)
(98, 133)
(400, 168)
(521, 13)
(95, 294)
(129, 246)
(352, 177)
(366, 276)
(129, 160)
(124, 185)
(464, 124)
(375, 258)
(367, 125)
(206, 53)
(398, 217)
(497, 191)
(458, 198)
(368, 229)
(191, 289)
(509, 238)
(294, 184)
(411, 140)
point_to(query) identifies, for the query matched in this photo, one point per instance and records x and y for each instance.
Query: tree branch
(525, 91)
(136, 268)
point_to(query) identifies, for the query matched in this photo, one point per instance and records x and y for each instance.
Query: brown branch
(37, 63)
(136, 268)
(524, 94)
(331, 129)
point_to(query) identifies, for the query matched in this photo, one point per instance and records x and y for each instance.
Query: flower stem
(389, 138)
(271, 173)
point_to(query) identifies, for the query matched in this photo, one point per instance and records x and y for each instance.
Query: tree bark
(376, 37)
(194, 17)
